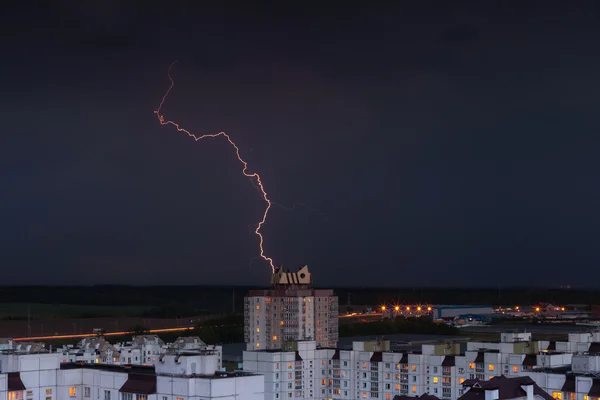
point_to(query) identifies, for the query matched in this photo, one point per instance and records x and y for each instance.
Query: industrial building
(289, 312)
(449, 311)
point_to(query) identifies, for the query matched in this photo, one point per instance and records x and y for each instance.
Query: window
(472, 365)
(257, 330)
(107, 395)
(414, 367)
(126, 396)
(557, 395)
(274, 337)
(436, 379)
(257, 345)
(72, 392)
(461, 380)
(491, 367)
(289, 365)
(414, 389)
(48, 391)
(15, 395)
(387, 396)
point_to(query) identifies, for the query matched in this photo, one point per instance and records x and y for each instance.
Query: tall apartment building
(290, 311)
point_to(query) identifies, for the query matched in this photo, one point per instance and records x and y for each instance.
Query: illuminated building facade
(291, 311)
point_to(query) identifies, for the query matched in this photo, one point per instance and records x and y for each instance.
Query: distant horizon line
(234, 286)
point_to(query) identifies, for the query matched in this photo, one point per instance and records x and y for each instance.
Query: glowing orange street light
(419, 308)
(428, 308)
(407, 308)
(537, 309)
(397, 308)
(382, 308)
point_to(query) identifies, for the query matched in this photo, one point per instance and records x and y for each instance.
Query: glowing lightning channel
(253, 175)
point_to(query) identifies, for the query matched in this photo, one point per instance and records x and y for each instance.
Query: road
(84, 335)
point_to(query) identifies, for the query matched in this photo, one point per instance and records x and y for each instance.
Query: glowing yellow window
(257, 344)
(388, 396)
(274, 337)
(472, 365)
(48, 391)
(557, 395)
(364, 365)
(585, 397)
(435, 379)
(397, 366)
(397, 386)
(491, 367)
(289, 365)
(414, 367)
(258, 307)
(257, 330)
(364, 395)
(323, 362)
(461, 380)
(72, 392)
(414, 389)
(281, 323)
(515, 368)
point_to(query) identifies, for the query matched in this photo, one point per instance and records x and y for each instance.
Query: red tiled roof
(508, 388)
(139, 384)
(14, 382)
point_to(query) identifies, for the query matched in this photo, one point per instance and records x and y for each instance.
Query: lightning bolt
(255, 177)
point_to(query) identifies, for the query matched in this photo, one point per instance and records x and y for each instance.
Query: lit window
(364, 365)
(72, 392)
(414, 389)
(257, 344)
(387, 396)
(397, 386)
(48, 391)
(323, 382)
(515, 368)
(289, 365)
(15, 395)
(585, 397)
(461, 380)
(281, 323)
(257, 307)
(274, 337)
(414, 367)
(491, 367)
(323, 362)
(472, 365)
(557, 395)
(435, 379)
(257, 330)
(364, 395)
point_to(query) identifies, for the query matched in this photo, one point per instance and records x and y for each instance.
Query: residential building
(503, 388)
(290, 311)
(176, 376)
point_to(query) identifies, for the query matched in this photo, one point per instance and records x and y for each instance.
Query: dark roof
(336, 355)
(552, 346)
(126, 368)
(14, 382)
(448, 361)
(424, 396)
(594, 348)
(404, 359)
(569, 385)
(595, 389)
(530, 360)
(508, 388)
(298, 358)
(480, 357)
(139, 384)
(377, 357)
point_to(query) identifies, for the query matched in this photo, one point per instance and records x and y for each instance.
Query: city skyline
(423, 147)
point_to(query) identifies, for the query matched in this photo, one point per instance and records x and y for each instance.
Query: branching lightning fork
(254, 176)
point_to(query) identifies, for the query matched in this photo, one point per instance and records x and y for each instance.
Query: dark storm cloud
(443, 145)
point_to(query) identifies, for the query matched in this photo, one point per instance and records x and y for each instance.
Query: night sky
(427, 144)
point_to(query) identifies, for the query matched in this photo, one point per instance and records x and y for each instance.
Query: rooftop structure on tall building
(290, 311)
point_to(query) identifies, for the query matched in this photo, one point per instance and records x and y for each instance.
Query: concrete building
(290, 311)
